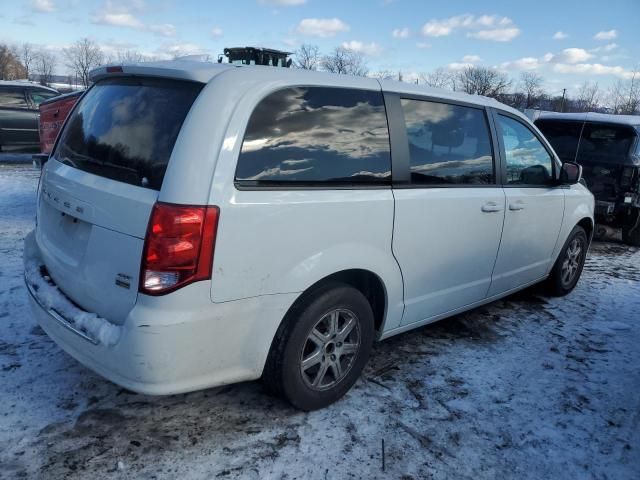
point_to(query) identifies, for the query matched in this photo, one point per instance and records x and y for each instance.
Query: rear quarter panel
(283, 241)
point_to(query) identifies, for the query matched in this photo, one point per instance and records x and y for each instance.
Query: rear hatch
(99, 188)
(604, 154)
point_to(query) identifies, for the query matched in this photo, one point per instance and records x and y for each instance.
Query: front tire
(568, 267)
(631, 227)
(321, 347)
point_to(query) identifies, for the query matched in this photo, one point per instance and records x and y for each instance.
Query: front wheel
(568, 267)
(321, 348)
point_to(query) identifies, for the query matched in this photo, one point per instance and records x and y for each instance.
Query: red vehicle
(53, 113)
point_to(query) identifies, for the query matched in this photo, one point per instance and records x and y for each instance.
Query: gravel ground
(526, 387)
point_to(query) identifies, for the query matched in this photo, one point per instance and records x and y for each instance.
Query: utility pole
(564, 91)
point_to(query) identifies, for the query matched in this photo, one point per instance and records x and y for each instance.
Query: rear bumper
(177, 343)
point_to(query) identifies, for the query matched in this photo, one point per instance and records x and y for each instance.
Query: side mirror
(571, 173)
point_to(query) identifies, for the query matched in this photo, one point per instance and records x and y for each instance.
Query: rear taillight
(178, 248)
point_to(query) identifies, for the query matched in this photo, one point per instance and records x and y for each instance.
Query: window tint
(39, 96)
(125, 128)
(448, 144)
(317, 135)
(609, 143)
(528, 162)
(563, 137)
(12, 97)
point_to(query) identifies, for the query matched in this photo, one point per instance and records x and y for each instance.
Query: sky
(567, 42)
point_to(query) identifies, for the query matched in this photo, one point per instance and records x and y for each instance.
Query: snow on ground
(527, 387)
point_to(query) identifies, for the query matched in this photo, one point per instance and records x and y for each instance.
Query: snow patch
(49, 296)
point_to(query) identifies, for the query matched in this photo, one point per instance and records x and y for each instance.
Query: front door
(534, 208)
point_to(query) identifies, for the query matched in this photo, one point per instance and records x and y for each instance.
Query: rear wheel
(568, 267)
(631, 227)
(321, 347)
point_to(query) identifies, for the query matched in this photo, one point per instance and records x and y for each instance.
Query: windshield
(563, 137)
(125, 129)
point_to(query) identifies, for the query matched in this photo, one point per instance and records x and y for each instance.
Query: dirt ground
(526, 387)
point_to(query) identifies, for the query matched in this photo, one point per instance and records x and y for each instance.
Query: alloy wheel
(330, 349)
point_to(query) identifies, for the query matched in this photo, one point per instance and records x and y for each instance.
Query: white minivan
(201, 224)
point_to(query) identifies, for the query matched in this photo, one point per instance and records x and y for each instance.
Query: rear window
(316, 136)
(605, 143)
(125, 129)
(563, 137)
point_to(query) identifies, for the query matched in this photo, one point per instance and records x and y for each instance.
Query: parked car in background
(19, 102)
(202, 224)
(53, 113)
(608, 148)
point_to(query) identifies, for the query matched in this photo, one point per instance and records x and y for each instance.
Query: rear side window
(12, 97)
(448, 144)
(125, 128)
(608, 143)
(563, 137)
(316, 136)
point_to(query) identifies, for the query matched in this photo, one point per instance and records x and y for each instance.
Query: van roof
(205, 71)
(632, 120)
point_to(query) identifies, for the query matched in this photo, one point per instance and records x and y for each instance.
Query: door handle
(515, 206)
(491, 207)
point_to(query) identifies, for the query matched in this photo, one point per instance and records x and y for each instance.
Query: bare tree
(588, 97)
(343, 60)
(384, 75)
(531, 84)
(307, 57)
(439, 78)
(44, 65)
(27, 57)
(10, 66)
(632, 104)
(482, 81)
(82, 57)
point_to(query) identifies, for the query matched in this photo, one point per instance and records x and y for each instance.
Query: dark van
(608, 148)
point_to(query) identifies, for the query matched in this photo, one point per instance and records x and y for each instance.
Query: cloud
(282, 3)
(121, 16)
(423, 45)
(484, 27)
(216, 32)
(365, 48)
(559, 35)
(164, 29)
(43, 6)
(605, 48)
(401, 33)
(496, 35)
(569, 55)
(606, 35)
(524, 63)
(471, 59)
(459, 65)
(321, 27)
(118, 20)
(592, 69)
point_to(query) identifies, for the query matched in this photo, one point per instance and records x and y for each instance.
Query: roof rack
(256, 56)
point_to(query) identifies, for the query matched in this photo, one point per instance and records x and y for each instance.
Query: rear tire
(321, 347)
(568, 267)
(631, 227)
